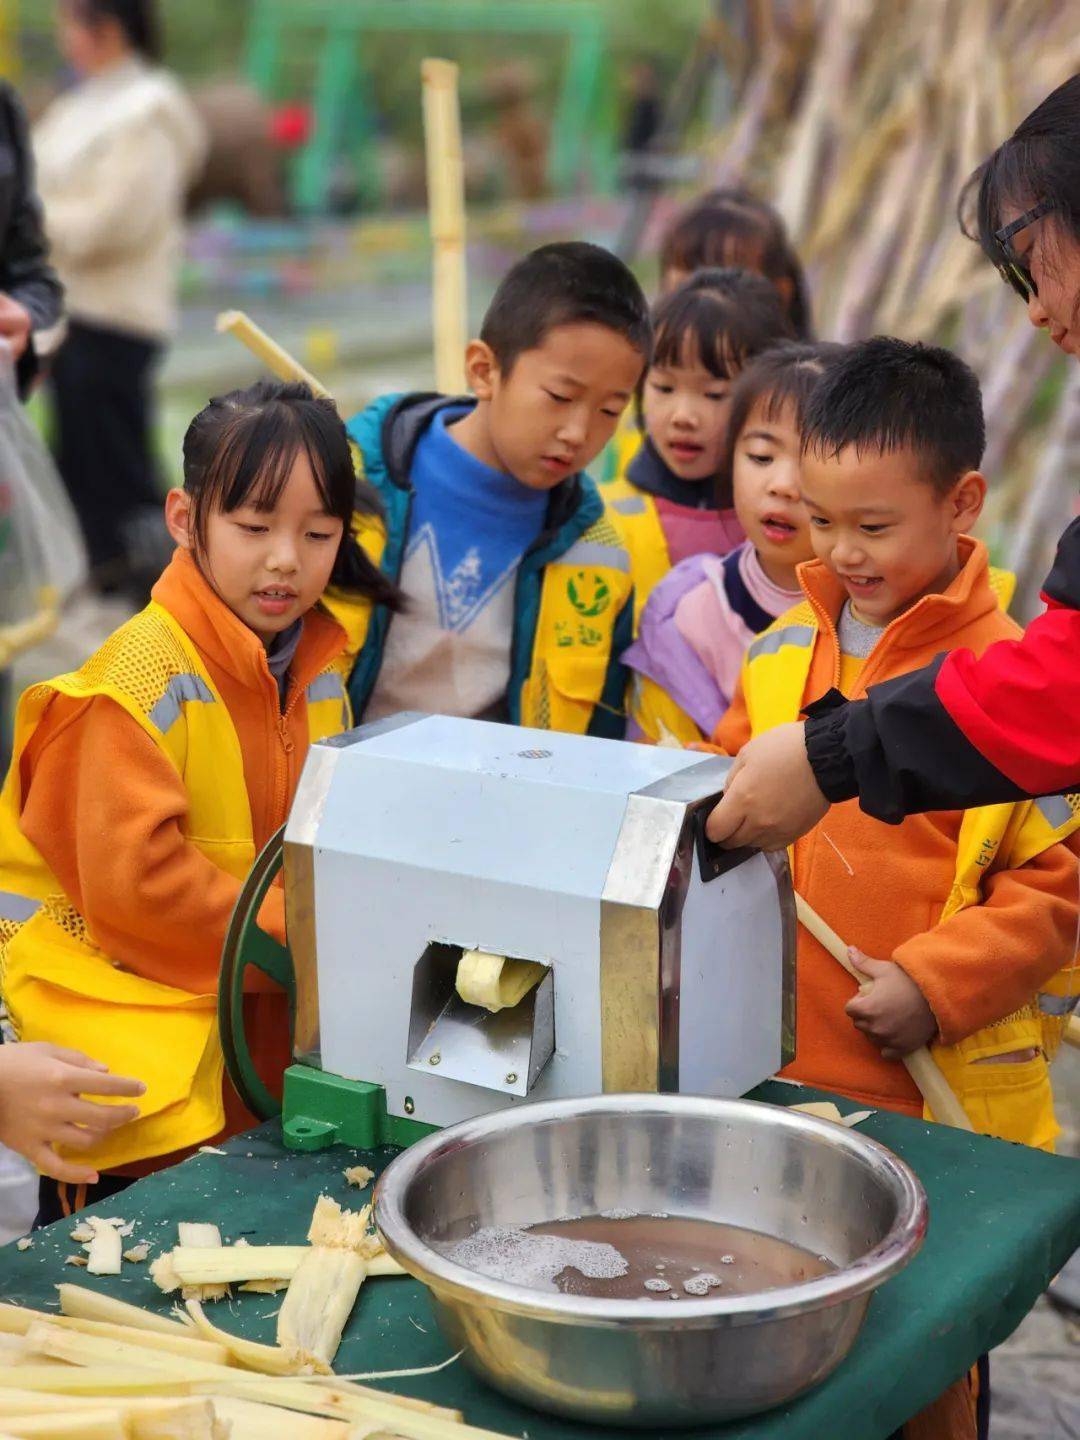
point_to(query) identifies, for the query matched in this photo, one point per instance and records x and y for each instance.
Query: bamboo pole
(920, 1064)
(276, 359)
(446, 211)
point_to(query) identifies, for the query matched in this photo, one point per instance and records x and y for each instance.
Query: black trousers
(102, 382)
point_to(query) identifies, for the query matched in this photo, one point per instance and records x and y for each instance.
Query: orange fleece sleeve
(105, 806)
(990, 959)
(733, 731)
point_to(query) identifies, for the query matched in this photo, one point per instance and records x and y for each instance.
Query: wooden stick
(920, 1064)
(276, 359)
(446, 212)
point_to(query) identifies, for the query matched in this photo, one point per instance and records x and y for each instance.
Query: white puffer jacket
(115, 157)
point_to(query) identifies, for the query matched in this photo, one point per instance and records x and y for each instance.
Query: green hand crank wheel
(246, 945)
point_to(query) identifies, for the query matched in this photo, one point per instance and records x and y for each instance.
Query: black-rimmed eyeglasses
(1015, 269)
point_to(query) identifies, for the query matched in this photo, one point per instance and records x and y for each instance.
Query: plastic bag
(42, 557)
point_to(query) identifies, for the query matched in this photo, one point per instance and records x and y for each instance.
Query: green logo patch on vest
(588, 592)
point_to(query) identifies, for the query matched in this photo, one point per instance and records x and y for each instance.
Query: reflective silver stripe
(770, 643)
(1057, 1004)
(17, 907)
(588, 552)
(629, 505)
(181, 689)
(325, 687)
(1055, 810)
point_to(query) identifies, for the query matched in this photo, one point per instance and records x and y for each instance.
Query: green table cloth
(1003, 1219)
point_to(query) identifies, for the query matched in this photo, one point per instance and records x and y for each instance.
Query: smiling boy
(969, 917)
(519, 589)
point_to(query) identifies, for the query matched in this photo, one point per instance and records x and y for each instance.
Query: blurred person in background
(31, 297)
(721, 229)
(116, 155)
(731, 226)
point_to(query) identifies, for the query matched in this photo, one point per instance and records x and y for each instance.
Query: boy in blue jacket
(519, 589)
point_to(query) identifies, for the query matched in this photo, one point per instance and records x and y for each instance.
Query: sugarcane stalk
(446, 212)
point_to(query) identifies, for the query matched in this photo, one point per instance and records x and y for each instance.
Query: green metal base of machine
(319, 1110)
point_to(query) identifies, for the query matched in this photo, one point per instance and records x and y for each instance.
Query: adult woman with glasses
(963, 731)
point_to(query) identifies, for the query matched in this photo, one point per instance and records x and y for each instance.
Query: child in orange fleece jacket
(144, 784)
(965, 923)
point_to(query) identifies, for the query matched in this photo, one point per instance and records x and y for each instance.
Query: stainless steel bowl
(633, 1362)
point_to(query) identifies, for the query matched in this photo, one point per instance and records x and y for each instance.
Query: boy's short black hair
(568, 283)
(886, 394)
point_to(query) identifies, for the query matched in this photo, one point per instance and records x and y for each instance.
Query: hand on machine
(42, 1105)
(771, 797)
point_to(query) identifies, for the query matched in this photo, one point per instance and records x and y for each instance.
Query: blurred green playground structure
(329, 50)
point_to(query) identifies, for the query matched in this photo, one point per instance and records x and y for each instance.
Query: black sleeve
(900, 752)
(25, 272)
(1063, 582)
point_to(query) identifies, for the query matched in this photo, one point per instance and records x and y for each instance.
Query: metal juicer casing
(671, 963)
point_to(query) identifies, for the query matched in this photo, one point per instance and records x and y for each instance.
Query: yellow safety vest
(634, 515)
(1014, 1100)
(57, 983)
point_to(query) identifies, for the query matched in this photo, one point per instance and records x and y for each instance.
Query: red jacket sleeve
(1019, 704)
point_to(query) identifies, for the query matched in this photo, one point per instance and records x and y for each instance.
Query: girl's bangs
(695, 343)
(257, 459)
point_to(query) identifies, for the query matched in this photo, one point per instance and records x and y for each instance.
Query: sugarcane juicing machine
(480, 914)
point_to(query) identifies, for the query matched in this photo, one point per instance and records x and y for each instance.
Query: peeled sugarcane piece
(335, 1228)
(379, 1412)
(194, 1236)
(323, 1291)
(493, 982)
(104, 1253)
(187, 1346)
(183, 1418)
(263, 1287)
(82, 1303)
(358, 1175)
(114, 1378)
(266, 1359)
(138, 1253)
(197, 1269)
(15, 1321)
(253, 1421)
(317, 1305)
(278, 361)
(274, 1265)
(56, 1343)
(74, 1425)
(13, 1348)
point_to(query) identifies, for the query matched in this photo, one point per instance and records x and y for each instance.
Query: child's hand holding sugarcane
(892, 1011)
